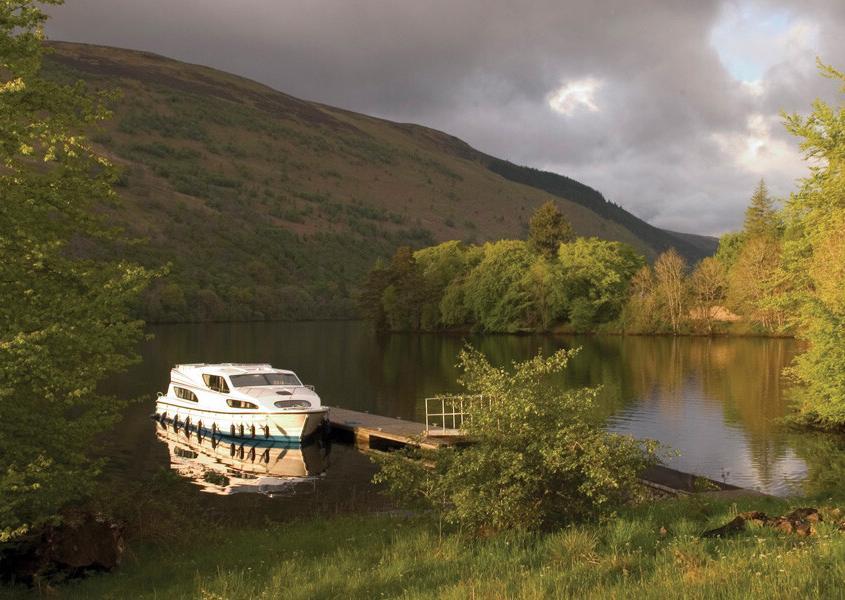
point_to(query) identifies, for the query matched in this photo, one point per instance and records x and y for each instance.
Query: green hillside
(267, 206)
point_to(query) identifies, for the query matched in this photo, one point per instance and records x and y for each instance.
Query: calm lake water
(716, 401)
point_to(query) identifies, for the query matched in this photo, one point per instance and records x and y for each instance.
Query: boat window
(240, 404)
(216, 383)
(184, 394)
(255, 379)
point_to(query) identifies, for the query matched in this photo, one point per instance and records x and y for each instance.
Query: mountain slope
(268, 206)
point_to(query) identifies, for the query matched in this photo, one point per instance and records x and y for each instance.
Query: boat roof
(228, 368)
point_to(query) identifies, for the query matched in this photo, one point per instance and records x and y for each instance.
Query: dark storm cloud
(661, 125)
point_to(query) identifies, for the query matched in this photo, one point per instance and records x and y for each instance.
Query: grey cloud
(483, 69)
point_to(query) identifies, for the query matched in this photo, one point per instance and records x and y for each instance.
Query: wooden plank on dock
(365, 426)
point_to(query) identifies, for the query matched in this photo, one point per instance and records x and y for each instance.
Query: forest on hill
(265, 206)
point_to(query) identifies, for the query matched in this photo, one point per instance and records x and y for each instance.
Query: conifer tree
(761, 219)
(548, 229)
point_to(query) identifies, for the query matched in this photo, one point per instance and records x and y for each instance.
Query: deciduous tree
(669, 272)
(539, 457)
(64, 319)
(814, 255)
(495, 291)
(707, 285)
(594, 276)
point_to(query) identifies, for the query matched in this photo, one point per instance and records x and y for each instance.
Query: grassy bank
(653, 551)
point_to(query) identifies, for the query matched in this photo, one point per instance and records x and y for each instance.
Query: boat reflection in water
(224, 465)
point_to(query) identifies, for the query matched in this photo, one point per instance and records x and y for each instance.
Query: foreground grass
(650, 552)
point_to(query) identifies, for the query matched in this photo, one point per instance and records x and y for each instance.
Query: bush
(538, 459)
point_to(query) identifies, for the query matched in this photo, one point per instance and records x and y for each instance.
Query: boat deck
(367, 428)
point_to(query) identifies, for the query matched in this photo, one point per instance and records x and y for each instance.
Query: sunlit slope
(268, 206)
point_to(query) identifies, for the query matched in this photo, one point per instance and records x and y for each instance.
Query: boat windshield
(254, 379)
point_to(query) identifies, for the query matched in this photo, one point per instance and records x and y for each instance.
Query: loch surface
(715, 401)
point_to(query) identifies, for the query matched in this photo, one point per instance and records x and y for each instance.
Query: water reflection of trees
(740, 376)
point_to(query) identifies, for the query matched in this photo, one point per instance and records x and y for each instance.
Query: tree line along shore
(556, 281)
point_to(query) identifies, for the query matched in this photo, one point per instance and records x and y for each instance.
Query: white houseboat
(254, 401)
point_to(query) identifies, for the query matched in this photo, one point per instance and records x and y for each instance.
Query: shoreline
(464, 331)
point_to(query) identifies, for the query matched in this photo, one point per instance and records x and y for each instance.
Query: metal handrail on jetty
(445, 419)
(445, 414)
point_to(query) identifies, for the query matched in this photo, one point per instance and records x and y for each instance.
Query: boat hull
(288, 426)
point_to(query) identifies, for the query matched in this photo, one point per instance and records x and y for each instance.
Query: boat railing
(445, 415)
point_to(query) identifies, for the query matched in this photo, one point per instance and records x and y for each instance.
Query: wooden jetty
(375, 430)
(380, 433)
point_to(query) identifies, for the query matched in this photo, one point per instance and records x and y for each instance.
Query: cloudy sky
(670, 108)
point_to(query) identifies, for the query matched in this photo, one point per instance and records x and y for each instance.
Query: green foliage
(814, 260)
(730, 245)
(595, 275)
(404, 296)
(442, 263)
(454, 311)
(493, 290)
(505, 286)
(394, 296)
(439, 266)
(548, 229)
(64, 322)
(546, 299)
(538, 459)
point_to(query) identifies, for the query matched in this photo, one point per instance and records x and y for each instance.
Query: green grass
(654, 551)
